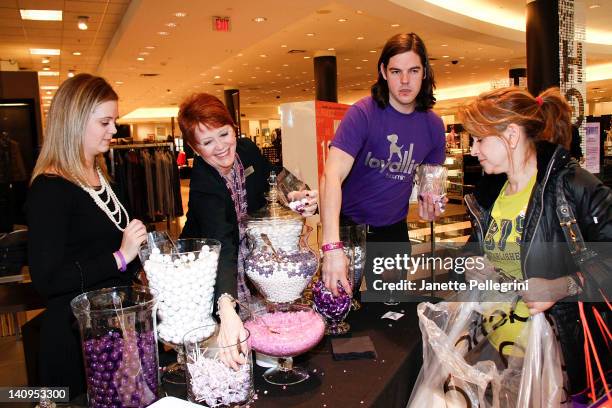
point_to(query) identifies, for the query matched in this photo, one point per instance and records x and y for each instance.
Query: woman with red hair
(229, 180)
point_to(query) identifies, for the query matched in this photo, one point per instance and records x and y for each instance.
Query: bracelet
(331, 246)
(224, 295)
(123, 267)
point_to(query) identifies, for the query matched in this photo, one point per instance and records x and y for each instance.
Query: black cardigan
(211, 212)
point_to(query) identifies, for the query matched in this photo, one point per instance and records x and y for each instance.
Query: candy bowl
(333, 308)
(280, 263)
(119, 345)
(284, 331)
(210, 379)
(184, 273)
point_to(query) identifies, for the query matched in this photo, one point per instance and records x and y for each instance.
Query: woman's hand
(334, 270)
(542, 293)
(231, 335)
(311, 204)
(134, 235)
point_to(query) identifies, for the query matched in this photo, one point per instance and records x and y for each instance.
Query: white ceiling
(190, 57)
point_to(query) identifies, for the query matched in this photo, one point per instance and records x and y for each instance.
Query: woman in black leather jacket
(512, 134)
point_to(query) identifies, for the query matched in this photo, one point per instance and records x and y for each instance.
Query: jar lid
(274, 210)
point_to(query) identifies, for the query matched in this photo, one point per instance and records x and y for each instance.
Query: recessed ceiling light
(285, 65)
(347, 59)
(76, 53)
(49, 87)
(49, 92)
(171, 25)
(445, 56)
(310, 34)
(278, 74)
(253, 77)
(82, 22)
(44, 51)
(287, 77)
(357, 67)
(268, 71)
(263, 55)
(260, 19)
(593, 6)
(164, 33)
(447, 65)
(360, 38)
(342, 20)
(306, 57)
(150, 47)
(70, 73)
(244, 64)
(331, 49)
(143, 53)
(283, 45)
(230, 70)
(217, 76)
(119, 82)
(46, 69)
(395, 25)
(140, 59)
(41, 15)
(358, 11)
(45, 60)
(239, 54)
(491, 59)
(303, 72)
(364, 60)
(443, 45)
(180, 14)
(373, 51)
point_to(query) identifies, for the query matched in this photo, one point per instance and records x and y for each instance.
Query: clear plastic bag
(462, 369)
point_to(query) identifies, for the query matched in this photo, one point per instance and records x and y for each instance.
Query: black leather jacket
(544, 252)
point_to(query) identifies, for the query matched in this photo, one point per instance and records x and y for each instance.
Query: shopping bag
(461, 369)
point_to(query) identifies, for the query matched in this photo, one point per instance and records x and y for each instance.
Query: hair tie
(539, 100)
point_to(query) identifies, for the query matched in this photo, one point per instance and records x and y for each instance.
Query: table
(385, 382)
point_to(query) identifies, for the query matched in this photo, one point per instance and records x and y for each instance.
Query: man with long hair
(370, 168)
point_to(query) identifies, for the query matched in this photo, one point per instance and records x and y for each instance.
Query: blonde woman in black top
(81, 237)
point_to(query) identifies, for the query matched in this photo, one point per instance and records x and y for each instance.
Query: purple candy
(333, 308)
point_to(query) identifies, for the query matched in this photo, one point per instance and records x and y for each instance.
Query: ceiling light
(47, 97)
(310, 34)
(306, 57)
(342, 20)
(49, 93)
(253, 77)
(395, 25)
(48, 73)
(347, 59)
(331, 49)
(284, 46)
(41, 15)
(46, 69)
(119, 82)
(140, 59)
(76, 53)
(217, 77)
(593, 6)
(230, 70)
(358, 11)
(44, 51)
(82, 22)
(164, 33)
(180, 14)
(360, 38)
(268, 71)
(357, 67)
(373, 51)
(150, 47)
(285, 65)
(52, 87)
(171, 25)
(260, 19)
(239, 54)
(263, 55)
(70, 73)
(364, 60)
(491, 59)
(244, 64)
(45, 60)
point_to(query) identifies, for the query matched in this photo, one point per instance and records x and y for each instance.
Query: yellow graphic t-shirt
(503, 248)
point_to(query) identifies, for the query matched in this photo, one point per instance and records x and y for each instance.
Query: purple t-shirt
(387, 146)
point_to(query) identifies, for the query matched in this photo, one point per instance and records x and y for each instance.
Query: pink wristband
(332, 245)
(122, 259)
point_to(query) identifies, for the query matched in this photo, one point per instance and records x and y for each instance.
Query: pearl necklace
(115, 216)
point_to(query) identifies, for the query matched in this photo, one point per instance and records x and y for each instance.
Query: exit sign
(221, 23)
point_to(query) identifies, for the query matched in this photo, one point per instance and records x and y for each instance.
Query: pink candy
(298, 332)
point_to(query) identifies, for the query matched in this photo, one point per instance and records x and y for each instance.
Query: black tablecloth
(385, 382)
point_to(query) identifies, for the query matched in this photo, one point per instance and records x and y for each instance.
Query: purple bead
(103, 357)
(106, 376)
(109, 366)
(89, 348)
(93, 357)
(97, 375)
(115, 355)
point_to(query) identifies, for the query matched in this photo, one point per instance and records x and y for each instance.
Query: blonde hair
(72, 106)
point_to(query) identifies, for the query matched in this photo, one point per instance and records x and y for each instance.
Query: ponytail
(557, 118)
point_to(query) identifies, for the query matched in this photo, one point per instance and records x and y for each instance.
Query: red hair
(205, 109)
(547, 117)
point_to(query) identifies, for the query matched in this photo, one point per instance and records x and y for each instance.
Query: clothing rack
(134, 146)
